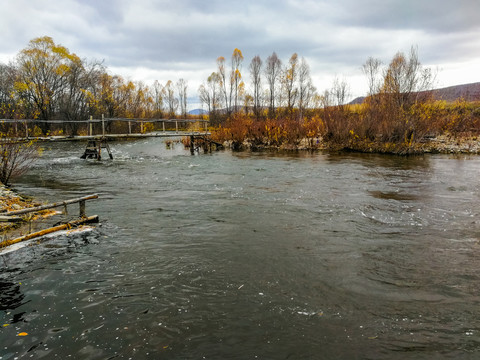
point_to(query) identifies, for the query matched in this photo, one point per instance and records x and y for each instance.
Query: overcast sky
(164, 40)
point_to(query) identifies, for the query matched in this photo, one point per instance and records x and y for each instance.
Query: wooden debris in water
(69, 225)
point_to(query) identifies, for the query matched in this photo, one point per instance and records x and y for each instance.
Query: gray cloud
(440, 16)
(186, 36)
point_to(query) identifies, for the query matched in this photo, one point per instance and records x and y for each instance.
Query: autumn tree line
(275, 89)
(267, 102)
(281, 108)
(48, 82)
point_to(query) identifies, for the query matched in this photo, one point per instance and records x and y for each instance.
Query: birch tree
(272, 73)
(236, 77)
(172, 101)
(289, 82)
(256, 76)
(306, 90)
(158, 94)
(182, 86)
(222, 78)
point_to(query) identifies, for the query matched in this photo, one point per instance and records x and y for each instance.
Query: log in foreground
(69, 225)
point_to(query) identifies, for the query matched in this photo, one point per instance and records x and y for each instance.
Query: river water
(249, 256)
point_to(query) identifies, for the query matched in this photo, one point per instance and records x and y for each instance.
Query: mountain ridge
(198, 112)
(467, 92)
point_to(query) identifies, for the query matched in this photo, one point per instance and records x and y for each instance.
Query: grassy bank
(375, 126)
(11, 201)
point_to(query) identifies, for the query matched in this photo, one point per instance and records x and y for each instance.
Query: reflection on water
(251, 255)
(392, 195)
(10, 296)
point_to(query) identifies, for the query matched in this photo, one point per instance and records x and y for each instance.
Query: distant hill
(469, 92)
(357, 100)
(198, 112)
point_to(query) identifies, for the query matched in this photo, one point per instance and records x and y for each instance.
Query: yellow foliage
(20, 86)
(62, 69)
(148, 127)
(37, 132)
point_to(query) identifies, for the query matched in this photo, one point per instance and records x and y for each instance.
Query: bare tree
(256, 76)
(205, 96)
(158, 95)
(272, 72)
(8, 103)
(405, 78)
(172, 101)
(289, 82)
(306, 90)
(210, 92)
(326, 99)
(392, 92)
(340, 92)
(73, 102)
(222, 77)
(16, 156)
(182, 96)
(371, 69)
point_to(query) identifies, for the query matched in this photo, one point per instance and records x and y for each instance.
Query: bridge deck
(124, 136)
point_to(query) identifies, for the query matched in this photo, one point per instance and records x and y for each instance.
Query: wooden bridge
(97, 135)
(95, 128)
(123, 136)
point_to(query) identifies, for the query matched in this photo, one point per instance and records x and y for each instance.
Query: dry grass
(9, 201)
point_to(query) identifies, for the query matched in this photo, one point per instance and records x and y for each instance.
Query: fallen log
(69, 225)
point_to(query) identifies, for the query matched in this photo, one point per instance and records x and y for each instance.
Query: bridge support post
(103, 125)
(82, 209)
(192, 144)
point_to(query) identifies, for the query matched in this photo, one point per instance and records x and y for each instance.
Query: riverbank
(11, 201)
(439, 145)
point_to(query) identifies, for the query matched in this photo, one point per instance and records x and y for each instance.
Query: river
(249, 256)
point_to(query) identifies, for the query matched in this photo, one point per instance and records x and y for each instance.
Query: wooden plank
(168, 133)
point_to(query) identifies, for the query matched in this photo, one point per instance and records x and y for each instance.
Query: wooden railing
(98, 127)
(13, 216)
